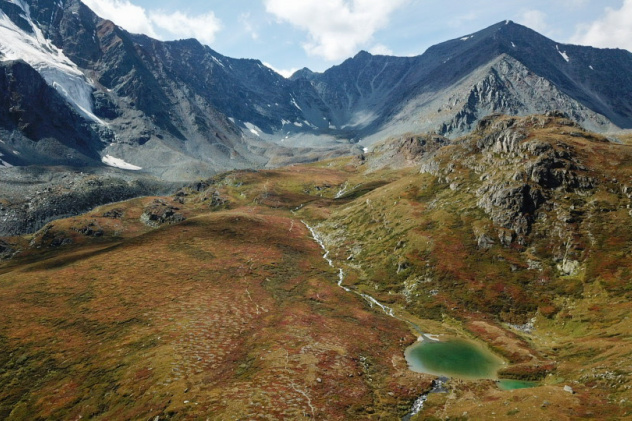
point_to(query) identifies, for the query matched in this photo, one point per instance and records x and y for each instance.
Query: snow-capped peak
(41, 54)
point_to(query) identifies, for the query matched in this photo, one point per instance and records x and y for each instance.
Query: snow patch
(366, 150)
(217, 61)
(41, 54)
(308, 124)
(253, 129)
(513, 45)
(297, 124)
(293, 102)
(466, 38)
(428, 336)
(591, 68)
(563, 54)
(119, 163)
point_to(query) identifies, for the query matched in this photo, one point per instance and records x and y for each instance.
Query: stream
(455, 357)
(437, 384)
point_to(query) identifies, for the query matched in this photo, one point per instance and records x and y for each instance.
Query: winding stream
(456, 357)
(438, 384)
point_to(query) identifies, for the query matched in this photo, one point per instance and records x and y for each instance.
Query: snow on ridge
(563, 54)
(55, 67)
(253, 129)
(293, 102)
(216, 60)
(2, 163)
(119, 163)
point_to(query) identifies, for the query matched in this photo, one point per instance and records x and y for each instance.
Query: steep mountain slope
(176, 109)
(505, 68)
(179, 110)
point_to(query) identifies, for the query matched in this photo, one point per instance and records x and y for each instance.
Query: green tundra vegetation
(216, 302)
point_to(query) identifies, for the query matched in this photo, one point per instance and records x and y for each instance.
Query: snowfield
(119, 163)
(57, 69)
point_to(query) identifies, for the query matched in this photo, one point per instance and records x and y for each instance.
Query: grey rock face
(513, 202)
(518, 173)
(6, 250)
(406, 151)
(159, 212)
(34, 200)
(181, 111)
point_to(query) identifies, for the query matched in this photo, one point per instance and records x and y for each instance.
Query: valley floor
(216, 302)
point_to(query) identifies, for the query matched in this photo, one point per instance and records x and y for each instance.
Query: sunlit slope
(227, 314)
(216, 301)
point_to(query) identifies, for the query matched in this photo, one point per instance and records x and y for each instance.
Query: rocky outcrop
(91, 229)
(405, 151)
(511, 206)
(519, 172)
(159, 212)
(45, 201)
(6, 250)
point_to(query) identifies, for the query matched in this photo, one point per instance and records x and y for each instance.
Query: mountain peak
(363, 54)
(303, 73)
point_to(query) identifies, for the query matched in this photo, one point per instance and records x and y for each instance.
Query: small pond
(507, 384)
(453, 358)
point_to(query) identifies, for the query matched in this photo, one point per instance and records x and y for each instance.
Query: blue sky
(292, 34)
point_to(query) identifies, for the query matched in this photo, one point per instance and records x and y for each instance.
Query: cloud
(285, 73)
(336, 28)
(246, 20)
(125, 14)
(460, 20)
(156, 23)
(203, 27)
(535, 20)
(612, 30)
(381, 50)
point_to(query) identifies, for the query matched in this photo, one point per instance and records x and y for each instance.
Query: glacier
(49, 61)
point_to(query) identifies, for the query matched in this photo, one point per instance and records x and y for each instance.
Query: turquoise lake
(453, 358)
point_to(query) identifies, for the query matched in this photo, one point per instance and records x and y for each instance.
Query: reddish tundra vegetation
(216, 302)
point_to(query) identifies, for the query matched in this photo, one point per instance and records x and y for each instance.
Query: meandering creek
(450, 358)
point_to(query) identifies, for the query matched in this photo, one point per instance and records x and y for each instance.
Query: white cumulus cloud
(283, 72)
(336, 28)
(156, 23)
(612, 30)
(125, 14)
(536, 20)
(381, 50)
(203, 27)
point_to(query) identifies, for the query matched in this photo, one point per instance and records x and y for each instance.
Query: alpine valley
(185, 235)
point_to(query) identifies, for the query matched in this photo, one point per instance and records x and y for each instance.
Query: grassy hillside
(216, 302)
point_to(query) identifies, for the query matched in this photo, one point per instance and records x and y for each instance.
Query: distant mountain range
(78, 90)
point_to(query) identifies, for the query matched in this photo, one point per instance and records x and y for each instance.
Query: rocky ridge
(180, 110)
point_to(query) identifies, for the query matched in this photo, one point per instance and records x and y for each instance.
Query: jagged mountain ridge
(179, 109)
